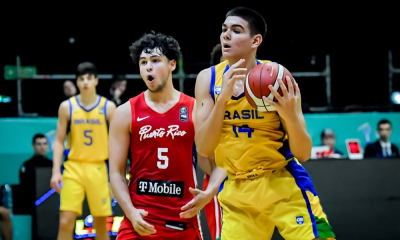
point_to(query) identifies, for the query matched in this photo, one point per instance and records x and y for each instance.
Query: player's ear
(257, 39)
(172, 64)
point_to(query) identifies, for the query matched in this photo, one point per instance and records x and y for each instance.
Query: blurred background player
(85, 171)
(157, 128)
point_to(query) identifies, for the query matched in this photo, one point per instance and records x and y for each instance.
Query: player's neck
(169, 93)
(88, 98)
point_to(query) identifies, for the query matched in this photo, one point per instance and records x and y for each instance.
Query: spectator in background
(328, 138)
(382, 148)
(69, 89)
(5, 223)
(27, 180)
(117, 90)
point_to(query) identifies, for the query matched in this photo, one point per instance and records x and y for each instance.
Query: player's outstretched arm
(289, 109)
(58, 148)
(118, 148)
(201, 198)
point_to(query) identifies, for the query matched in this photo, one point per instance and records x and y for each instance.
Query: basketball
(258, 80)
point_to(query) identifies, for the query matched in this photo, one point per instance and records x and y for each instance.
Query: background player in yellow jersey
(258, 151)
(85, 118)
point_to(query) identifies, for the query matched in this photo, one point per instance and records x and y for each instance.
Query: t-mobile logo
(160, 188)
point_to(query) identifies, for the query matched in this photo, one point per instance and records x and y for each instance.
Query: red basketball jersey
(163, 161)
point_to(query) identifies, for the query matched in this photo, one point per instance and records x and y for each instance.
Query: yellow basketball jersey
(250, 139)
(87, 131)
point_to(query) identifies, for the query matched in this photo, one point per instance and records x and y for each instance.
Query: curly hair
(168, 46)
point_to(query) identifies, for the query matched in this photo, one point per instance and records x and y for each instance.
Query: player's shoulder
(123, 109)
(204, 75)
(65, 104)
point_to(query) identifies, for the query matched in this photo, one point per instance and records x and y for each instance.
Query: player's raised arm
(58, 149)
(119, 143)
(289, 109)
(209, 116)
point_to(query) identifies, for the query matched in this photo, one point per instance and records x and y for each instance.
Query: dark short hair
(257, 24)
(86, 68)
(36, 136)
(216, 54)
(168, 46)
(384, 121)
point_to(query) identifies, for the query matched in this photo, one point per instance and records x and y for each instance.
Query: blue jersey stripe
(304, 182)
(212, 83)
(88, 110)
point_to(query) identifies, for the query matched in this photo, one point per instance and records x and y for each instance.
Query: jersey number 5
(163, 164)
(90, 139)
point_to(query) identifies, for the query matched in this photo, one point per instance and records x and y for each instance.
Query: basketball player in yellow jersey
(259, 152)
(85, 118)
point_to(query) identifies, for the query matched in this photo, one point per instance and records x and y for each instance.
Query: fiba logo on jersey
(184, 114)
(159, 188)
(217, 90)
(300, 220)
(101, 110)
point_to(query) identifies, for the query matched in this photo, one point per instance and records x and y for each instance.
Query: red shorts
(127, 232)
(213, 213)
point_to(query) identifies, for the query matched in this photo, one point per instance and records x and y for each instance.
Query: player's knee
(66, 225)
(100, 222)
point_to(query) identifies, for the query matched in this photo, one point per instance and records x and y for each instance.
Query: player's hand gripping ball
(257, 81)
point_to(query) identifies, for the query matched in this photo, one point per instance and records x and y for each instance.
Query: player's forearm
(58, 152)
(299, 140)
(205, 164)
(121, 192)
(208, 134)
(216, 178)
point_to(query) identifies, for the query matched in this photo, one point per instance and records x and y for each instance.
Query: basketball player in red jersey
(157, 128)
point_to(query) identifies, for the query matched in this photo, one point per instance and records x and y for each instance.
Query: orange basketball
(258, 80)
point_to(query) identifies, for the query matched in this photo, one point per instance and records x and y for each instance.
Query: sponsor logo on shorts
(160, 188)
(300, 220)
